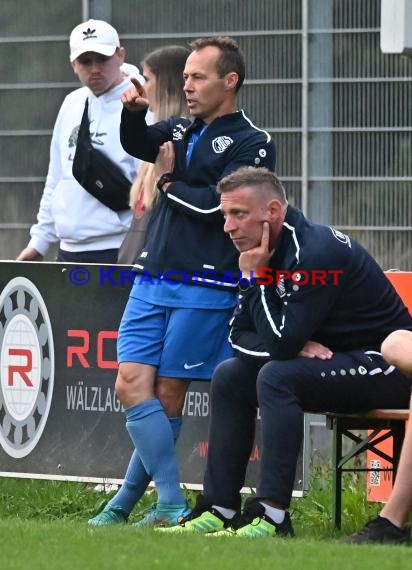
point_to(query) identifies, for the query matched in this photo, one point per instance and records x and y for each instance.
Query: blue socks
(153, 435)
(134, 485)
(176, 425)
(136, 479)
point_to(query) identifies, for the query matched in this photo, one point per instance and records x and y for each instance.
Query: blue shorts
(181, 343)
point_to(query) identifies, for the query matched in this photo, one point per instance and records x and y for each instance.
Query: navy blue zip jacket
(348, 304)
(185, 233)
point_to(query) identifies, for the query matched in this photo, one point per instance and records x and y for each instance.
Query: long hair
(167, 64)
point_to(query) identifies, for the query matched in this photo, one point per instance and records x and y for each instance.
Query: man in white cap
(87, 229)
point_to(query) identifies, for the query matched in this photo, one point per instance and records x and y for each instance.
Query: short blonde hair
(250, 176)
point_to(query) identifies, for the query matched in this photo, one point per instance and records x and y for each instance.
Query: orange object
(379, 483)
(402, 281)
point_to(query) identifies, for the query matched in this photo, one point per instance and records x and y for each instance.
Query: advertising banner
(59, 414)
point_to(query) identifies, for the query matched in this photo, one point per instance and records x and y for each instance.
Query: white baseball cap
(94, 35)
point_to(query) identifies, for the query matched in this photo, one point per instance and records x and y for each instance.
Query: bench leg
(337, 474)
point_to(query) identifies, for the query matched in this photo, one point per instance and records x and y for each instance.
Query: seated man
(389, 526)
(305, 287)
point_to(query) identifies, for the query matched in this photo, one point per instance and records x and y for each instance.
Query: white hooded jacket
(68, 213)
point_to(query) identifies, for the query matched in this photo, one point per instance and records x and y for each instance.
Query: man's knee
(134, 383)
(171, 392)
(397, 349)
(127, 374)
(224, 376)
(277, 376)
(234, 380)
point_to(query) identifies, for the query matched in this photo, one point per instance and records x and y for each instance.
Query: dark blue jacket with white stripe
(185, 232)
(350, 305)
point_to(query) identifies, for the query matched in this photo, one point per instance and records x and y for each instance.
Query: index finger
(137, 84)
(264, 242)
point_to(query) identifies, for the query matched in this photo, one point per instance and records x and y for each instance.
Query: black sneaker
(379, 530)
(253, 522)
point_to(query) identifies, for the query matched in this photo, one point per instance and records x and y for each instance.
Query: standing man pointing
(175, 332)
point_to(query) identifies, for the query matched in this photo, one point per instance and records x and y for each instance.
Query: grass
(66, 545)
(43, 525)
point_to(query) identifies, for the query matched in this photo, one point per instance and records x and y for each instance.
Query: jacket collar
(197, 124)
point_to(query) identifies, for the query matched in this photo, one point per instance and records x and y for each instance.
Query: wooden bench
(343, 425)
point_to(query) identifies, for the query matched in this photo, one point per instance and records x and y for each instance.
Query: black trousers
(96, 256)
(349, 382)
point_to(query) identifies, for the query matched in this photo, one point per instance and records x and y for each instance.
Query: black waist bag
(100, 176)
